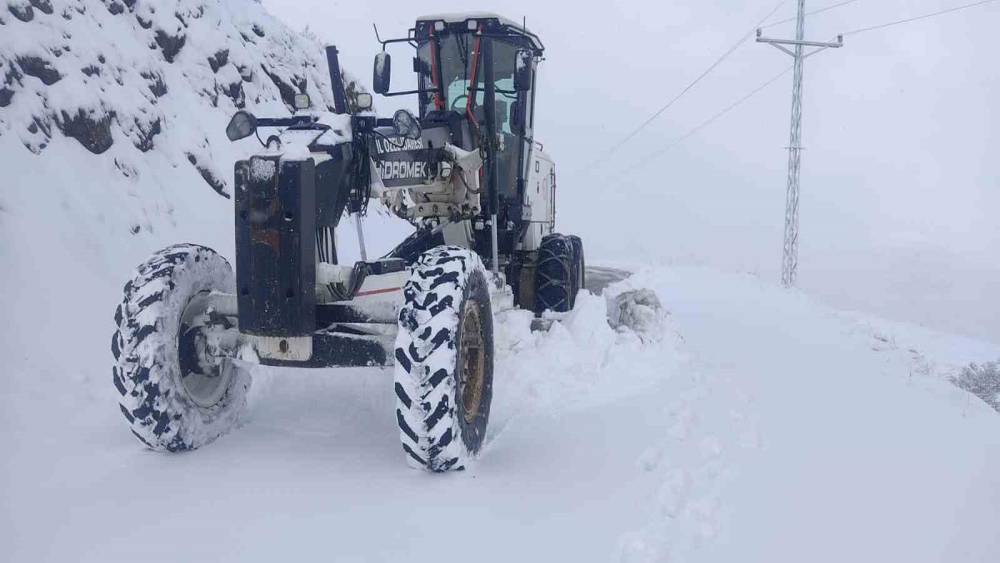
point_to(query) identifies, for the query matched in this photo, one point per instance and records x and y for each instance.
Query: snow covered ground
(758, 425)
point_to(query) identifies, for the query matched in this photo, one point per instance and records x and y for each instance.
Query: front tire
(172, 397)
(444, 360)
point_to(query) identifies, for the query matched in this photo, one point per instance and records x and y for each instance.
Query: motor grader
(465, 169)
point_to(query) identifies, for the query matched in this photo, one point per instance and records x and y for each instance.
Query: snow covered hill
(758, 426)
(138, 76)
(112, 146)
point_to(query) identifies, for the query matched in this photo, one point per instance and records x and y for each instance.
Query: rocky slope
(113, 146)
(126, 78)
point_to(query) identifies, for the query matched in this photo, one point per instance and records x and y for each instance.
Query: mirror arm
(285, 121)
(408, 92)
(385, 42)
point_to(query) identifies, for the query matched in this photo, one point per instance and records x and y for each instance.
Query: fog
(900, 182)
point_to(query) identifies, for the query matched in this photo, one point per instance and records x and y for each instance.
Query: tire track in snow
(709, 426)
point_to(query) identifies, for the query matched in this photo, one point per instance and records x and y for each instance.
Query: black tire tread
(157, 412)
(426, 409)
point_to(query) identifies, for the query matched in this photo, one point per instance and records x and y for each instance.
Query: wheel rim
(205, 371)
(472, 361)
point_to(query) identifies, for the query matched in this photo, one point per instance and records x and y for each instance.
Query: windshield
(455, 70)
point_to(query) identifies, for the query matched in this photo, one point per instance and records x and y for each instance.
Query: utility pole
(790, 260)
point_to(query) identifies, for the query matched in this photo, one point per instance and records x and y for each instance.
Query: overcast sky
(900, 179)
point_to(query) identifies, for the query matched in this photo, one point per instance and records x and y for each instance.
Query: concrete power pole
(790, 260)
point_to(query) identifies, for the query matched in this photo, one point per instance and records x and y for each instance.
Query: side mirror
(382, 72)
(241, 126)
(522, 70)
(405, 125)
(302, 101)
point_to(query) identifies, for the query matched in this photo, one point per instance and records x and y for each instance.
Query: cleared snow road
(759, 427)
(843, 443)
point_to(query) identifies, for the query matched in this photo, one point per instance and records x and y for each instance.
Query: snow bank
(580, 360)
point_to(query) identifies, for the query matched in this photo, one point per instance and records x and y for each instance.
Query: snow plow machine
(466, 171)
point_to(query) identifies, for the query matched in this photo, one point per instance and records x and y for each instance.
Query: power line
(812, 13)
(698, 128)
(923, 17)
(775, 78)
(789, 262)
(688, 88)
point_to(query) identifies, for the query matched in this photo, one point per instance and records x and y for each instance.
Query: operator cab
(452, 67)
(449, 59)
(475, 75)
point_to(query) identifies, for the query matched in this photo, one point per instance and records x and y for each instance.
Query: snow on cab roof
(458, 17)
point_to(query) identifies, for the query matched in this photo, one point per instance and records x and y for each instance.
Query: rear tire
(444, 360)
(580, 280)
(171, 398)
(556, 275)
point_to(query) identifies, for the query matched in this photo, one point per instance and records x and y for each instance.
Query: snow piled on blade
(579, 361)
(638, 310)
